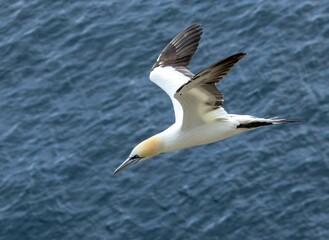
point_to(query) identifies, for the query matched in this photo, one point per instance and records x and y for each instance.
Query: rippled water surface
(75, 98)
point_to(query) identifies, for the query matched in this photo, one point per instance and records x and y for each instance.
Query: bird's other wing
(201, 100)
(170, 70)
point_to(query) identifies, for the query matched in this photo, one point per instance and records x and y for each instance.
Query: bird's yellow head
(145, 150)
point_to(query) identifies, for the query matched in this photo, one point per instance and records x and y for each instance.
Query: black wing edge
(180, 50)
(220, 69)
(216, 71)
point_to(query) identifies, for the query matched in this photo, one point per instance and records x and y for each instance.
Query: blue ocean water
(75, 98)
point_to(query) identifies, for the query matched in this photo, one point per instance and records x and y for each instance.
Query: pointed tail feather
(254, 122)
(283, 121)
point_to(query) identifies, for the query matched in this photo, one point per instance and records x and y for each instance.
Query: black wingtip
(181, 48)
(196, 26)
(239, 55)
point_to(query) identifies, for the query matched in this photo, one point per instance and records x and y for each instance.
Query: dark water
(75, 99)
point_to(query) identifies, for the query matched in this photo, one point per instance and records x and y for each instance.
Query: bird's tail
(250, 122)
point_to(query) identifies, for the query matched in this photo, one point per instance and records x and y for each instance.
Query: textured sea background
(75, 98)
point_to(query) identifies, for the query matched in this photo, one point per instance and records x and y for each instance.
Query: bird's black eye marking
(135, 157)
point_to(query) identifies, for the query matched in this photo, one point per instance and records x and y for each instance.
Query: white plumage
(198, 105)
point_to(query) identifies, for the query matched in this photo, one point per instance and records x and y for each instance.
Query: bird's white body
(217, 124)
(200, 117)
(175, 138)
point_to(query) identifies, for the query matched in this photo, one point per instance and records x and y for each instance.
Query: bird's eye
(135, 156)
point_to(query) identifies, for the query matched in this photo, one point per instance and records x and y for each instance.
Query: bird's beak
(125, 164)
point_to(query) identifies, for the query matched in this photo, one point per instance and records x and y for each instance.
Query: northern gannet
(198, 105)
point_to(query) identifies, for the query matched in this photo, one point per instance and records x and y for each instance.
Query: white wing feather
(170, 80)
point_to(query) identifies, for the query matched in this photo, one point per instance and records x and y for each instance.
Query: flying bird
(200, 117)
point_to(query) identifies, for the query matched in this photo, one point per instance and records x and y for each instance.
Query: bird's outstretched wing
(199, 97)
(170, 70)
(180, 50)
